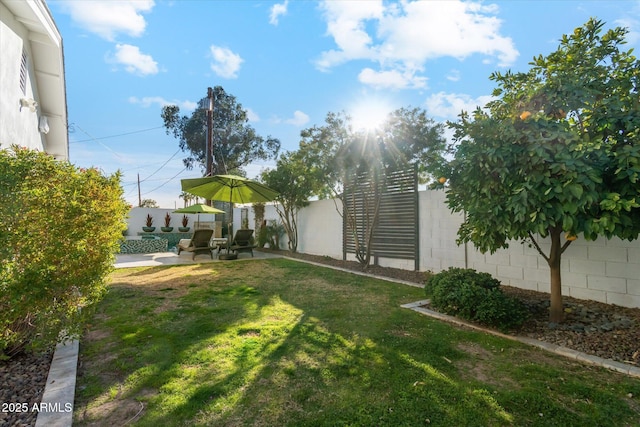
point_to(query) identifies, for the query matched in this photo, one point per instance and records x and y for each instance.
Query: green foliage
(235, 142)
(294, 187)
(474, 296)
(60, 232)
(557, 151)
(273, 233)
(335, 152)
(263, 236)
(148, 203)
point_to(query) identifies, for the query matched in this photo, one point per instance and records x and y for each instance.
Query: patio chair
(242, 242)
(200, 243)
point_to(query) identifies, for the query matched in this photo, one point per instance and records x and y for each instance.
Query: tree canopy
(294, 187)
(556, 152)
(407, 136)
(335, 153)
(235, 143)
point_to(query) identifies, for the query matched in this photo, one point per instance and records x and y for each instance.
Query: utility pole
(209, 171)
(210, 132)
(139, 198)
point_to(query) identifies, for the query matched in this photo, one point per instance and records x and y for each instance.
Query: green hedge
(474, 296)
(60, 231)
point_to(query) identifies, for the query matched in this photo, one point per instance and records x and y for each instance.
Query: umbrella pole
(228, 255)
(230, 220)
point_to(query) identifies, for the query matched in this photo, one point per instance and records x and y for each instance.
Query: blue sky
(288, 63)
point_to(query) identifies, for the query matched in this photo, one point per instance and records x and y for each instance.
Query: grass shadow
(279, 342)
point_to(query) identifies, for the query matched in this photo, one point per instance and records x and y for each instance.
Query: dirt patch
(117, 412)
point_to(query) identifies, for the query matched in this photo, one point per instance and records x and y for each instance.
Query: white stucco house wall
(33, 102)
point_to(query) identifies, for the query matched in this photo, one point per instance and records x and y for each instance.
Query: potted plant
(149, 223)
(167, 224)
(185, 222)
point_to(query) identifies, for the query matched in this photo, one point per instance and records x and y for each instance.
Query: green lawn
(282, 343)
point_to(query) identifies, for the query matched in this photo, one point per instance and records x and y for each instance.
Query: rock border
(613, 365)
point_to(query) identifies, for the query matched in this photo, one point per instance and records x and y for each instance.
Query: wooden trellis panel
(396, 233)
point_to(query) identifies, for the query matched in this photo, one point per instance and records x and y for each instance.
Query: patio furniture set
(202, 242)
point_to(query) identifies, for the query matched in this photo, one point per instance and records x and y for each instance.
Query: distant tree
(294, 187)
(557, 152)
(148, 203)
(188, 198)
(335, 153)
(235, 142)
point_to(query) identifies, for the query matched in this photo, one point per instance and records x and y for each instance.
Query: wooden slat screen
(396, 233)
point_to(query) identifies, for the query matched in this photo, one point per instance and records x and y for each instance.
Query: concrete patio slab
(172, 258)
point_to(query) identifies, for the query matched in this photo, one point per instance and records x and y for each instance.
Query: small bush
(476, 297)
(60, 231)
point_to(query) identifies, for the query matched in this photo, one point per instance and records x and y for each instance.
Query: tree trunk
(556, 311)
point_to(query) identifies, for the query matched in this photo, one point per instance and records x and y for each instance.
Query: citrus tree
(60, 231)
(556, 155)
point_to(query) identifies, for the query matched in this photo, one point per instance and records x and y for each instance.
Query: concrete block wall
(603, 270)
(320, 229)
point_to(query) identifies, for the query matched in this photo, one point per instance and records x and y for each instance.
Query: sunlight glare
(369, 114)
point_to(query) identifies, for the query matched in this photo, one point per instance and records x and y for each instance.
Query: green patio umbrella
(199, 208)
(229, 188)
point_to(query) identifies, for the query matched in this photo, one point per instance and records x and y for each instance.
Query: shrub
(474, 296)
(60, 231)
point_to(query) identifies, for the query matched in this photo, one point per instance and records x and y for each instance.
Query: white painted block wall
(603, 270)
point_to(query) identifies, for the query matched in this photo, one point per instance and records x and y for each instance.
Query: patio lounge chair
(199, 243)
(242, 242)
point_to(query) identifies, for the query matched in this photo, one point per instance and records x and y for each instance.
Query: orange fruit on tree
(525, 115)
(442, 180)
(570, 237)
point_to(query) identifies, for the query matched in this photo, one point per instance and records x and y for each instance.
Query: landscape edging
(418, 306)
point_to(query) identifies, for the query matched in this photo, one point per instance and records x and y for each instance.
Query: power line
(157, 170)
(114, 136)
(96, 140)
(165, 183)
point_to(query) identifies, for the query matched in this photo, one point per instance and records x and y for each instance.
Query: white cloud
(107, 18)
(392, 79)
(450, 105)
(346, 24)
(134, 61)
(299, 119)
(404, 36)
(225, 63)
(454, 75)
(148, 101)
(252, 116)
(277, 10)
(633, 25)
